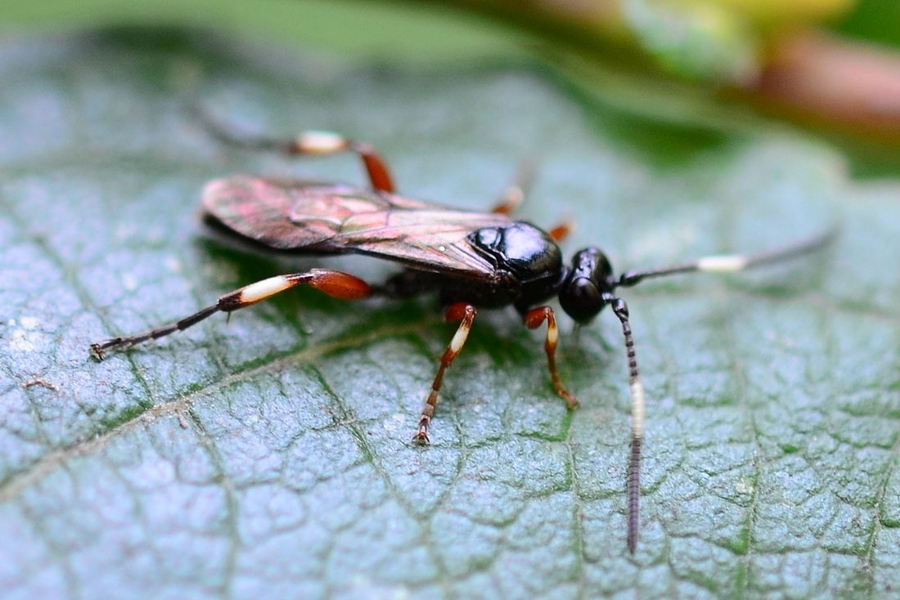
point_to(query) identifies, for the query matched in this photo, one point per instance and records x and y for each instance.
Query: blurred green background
(702, 62)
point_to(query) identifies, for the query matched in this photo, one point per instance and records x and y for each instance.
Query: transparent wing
(307, 216)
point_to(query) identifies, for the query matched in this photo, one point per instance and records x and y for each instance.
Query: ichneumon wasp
(470, 259)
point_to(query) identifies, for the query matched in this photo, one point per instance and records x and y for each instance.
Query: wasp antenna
(730, 263)
(638, 413)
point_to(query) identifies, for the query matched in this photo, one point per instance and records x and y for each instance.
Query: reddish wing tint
(302, 215)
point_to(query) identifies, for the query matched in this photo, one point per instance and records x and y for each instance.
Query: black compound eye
(581, 299)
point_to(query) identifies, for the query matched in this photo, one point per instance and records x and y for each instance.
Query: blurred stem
(824, 80)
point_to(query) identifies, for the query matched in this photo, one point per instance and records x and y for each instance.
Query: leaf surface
(270, 457)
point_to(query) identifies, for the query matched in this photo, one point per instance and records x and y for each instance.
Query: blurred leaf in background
(777, 57)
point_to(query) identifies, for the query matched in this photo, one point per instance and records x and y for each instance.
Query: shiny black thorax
(528, 270)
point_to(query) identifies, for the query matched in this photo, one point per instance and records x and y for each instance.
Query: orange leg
(465, 314)
(514, 194)
(559, 232)
(334, 283)
(308, 143)
(533, 320)
(510, 200)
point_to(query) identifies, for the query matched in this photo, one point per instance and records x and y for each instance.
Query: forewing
(434, 239)
(260, 209)
(305, 216)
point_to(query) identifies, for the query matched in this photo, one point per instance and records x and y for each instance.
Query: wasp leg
(533, 319)
(465, 314)
(313, 143)
(511, 198)
(558, 233)
(334, 283)
(514, 193)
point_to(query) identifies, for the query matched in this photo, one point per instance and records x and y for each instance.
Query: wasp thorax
(582, 291)
(521, 248)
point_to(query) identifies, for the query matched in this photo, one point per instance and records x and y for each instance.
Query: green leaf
(695, 40)
(270, 457)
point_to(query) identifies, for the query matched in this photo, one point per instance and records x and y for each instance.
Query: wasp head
(588, 285)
